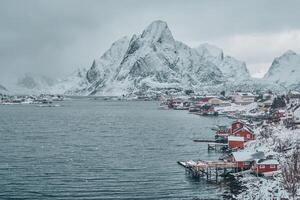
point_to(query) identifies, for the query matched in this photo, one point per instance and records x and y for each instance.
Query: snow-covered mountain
(73, 84)
(233, 69)
(33, 84)
(285, 70)
(39, 84)
(154, 61)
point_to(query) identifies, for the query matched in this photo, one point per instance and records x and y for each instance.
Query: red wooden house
(245, 132)
(238, 124)
(242, 129)
(236, 142)
(245, 159)
(263, 166)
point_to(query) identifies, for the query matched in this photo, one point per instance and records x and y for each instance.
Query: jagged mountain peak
(157, 31)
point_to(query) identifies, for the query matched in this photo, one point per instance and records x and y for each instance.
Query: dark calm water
(89, 149)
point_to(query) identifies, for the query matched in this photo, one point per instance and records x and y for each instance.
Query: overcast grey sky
(58, 36)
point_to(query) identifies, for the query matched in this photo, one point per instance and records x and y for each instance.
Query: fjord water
(95, 149)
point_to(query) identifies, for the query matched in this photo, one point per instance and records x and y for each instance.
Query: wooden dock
(217, 146)
(211, 170)
(204, 140)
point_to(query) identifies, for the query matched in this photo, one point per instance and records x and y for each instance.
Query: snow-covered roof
(249, 129)
(267, 162)
(242, 121)
(211, 96)
(244, 94)
(268, 101)
(235, 138)
(281, 111)
(245, 127)
(248, 155)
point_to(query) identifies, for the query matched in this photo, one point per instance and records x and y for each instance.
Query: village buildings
(243, 98)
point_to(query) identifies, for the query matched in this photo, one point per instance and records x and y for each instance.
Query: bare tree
(291, 173)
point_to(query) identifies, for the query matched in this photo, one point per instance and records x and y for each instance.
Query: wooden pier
(211, 170)
(204, 140)
(213, 144)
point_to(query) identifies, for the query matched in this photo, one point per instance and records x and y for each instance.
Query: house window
(273, 166)
(248, 136)
(261, 166)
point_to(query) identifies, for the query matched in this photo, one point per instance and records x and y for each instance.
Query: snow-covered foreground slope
(285, 70)
(280, 143)
(154, 61)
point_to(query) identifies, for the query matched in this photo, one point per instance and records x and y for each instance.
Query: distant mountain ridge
(285, 70)
(154, 62)
(3, 89)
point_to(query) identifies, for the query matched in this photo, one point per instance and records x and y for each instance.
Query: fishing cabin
(242, 129)
(236, 142)
(263, 165)
(245, 132)
(245, 159)
(237, 124)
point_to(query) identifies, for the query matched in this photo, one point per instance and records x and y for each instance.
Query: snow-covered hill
(154, 61)
(285, 70)
(32, 84)
(38, 84)
(73, 84)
